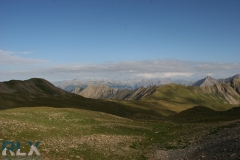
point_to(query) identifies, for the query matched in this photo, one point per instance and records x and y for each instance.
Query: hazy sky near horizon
(119, 39)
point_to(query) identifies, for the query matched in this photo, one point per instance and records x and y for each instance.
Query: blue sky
(64, 39)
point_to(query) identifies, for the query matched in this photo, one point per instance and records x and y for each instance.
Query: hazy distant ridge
(131, 84)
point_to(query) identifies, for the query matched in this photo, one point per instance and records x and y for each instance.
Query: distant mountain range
(113, 89)
(130, 84)
(164, 100)
(229, 90)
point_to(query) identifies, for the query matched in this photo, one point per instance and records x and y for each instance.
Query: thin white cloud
(5, 52)
(13, 58)
(134, 69)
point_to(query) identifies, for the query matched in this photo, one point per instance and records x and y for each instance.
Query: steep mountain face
(105, 92)
(223, 90)
(227, 80)
(235, 84)
(227, 88)
(98, 92)
(208, 81)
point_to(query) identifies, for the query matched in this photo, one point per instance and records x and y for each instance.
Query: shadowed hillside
(204, 114)
(39, 92)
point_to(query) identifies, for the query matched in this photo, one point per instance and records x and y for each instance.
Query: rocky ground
(220, 145)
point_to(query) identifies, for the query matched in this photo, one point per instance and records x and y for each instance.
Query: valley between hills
(200, 120)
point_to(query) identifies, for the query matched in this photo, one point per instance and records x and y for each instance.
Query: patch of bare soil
(220, 145)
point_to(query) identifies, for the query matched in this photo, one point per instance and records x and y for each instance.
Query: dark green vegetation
(201, 114)
(75, 128)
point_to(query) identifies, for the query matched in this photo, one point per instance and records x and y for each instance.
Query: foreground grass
(67, 133)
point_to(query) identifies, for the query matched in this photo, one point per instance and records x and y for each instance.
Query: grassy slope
(8, 101)
(88, 134)
(173, 98)
(68, 133)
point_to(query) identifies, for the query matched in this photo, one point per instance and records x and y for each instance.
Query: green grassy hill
(171, 99)
(67, 133)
